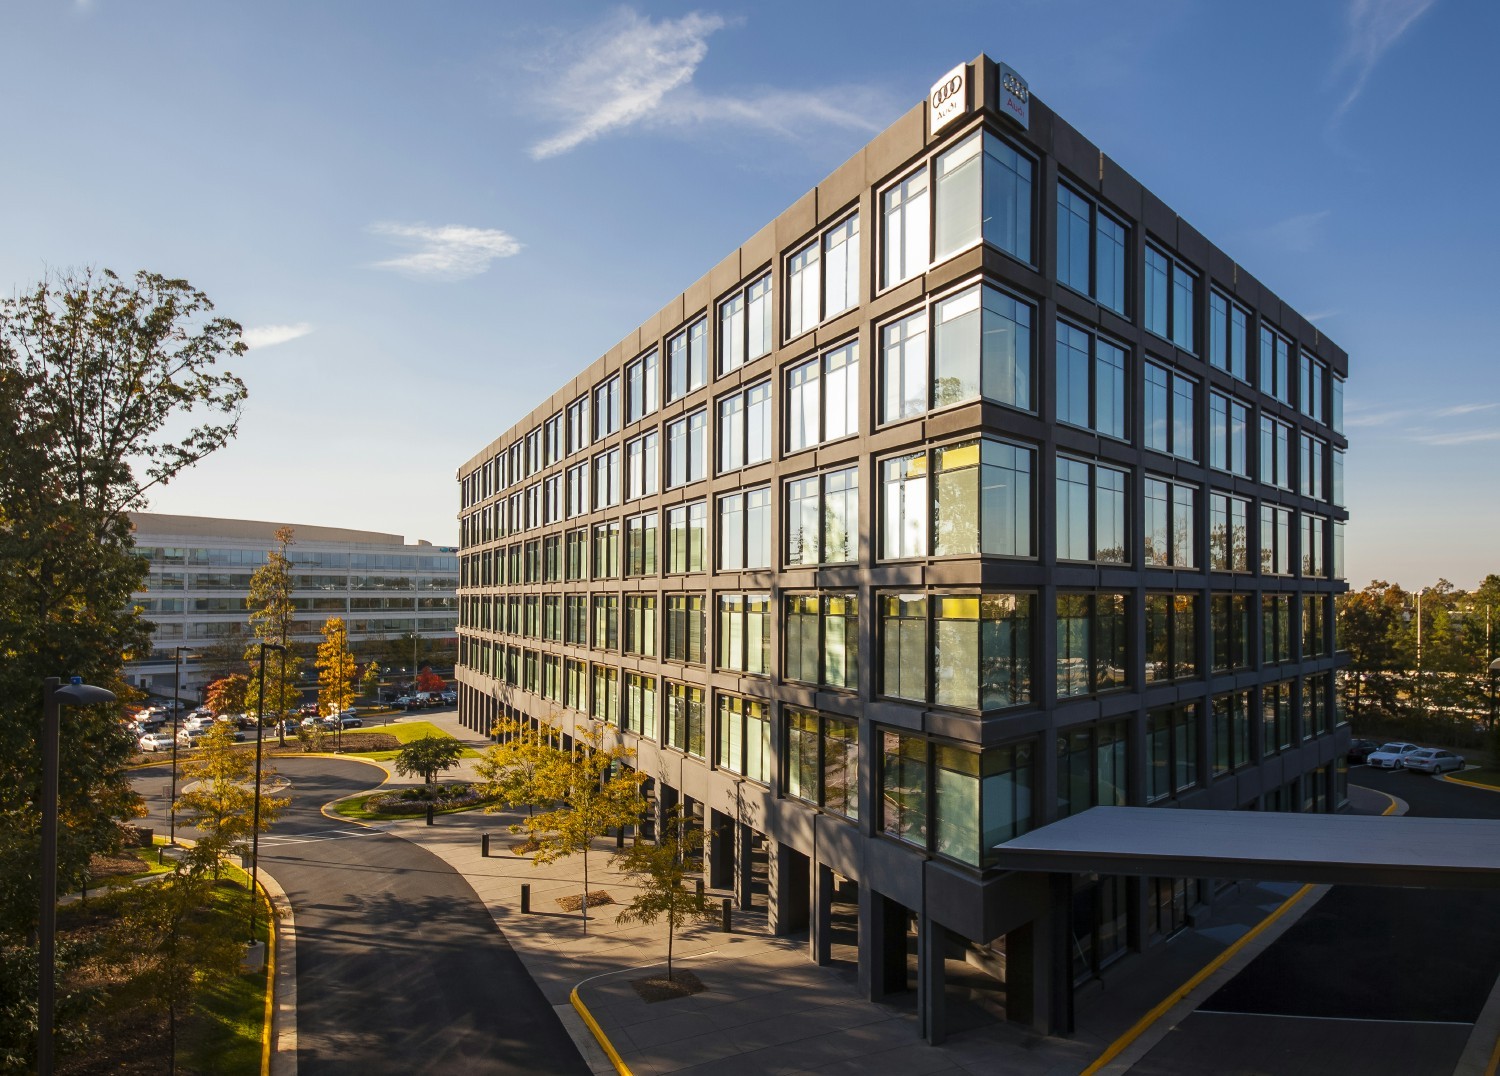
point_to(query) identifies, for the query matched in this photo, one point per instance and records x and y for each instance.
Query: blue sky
(428, 215)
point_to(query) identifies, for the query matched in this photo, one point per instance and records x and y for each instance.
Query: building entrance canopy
(1265, 846)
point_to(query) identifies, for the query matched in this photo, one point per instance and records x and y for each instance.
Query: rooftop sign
(1015, 96)
(948, 99)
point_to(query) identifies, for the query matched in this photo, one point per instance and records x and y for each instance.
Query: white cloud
(633, 72)
(1445, 440)
(271, 335)
(1323, 315)
(1466, 409)
(1372, 27)
(448, 252)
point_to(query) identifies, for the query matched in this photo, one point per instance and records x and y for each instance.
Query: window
(980, 501)
(640, 625)
(1091, 768)
(687, 360)
(745, 633)
(1171, 289)
(533, 625)
(1170, 524)
(745, 427)
(686, 534)
(1314, 559)
(1169, 412)
(1228, 335)
(552, 677)
(972, 803)
(553, 440)
(606, 695)
(640, 544)
(1231, 632)
(1336, 495)
(606, 615)
(820, 632)
(744, 738)
(1090, 512)
(552, 558)
(640, 466)
(1275, 364)
(1228, 434)
(607, 408)
(823, 277)
(533, 561)
(640, 705)
(1171, 637)
(1336, 404)
(1313, 452)
(822, 518)
(575, 685)
(578, 424)
(1090, 382)
(1275, 718)
(575, 620)
(978, 645)
(685, 724)
(986, 197)
(552, 499)
(1276, 628)
(1315, 621)
(1275, 452)
(1172, 751)
(577, 553)
(686, 448)
(684, 628)
(1228, 533)
(1090, 249)
(745, 530)
(1231, 731)
(1310, 399)
(1336, 567)
(641, 387)
(745, 325)
(607, 479)
(1091, 643)
(823, 761)
(904, 229)
(1316, 716)
(1275, 540)
(578, 490)
(607, 550)
(822, 398)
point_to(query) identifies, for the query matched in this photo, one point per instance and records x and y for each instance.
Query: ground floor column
(744, 865)
(819, 938)
(788, 881)
(718, 850)
(932, 947)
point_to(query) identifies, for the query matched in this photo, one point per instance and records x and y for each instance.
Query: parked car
(155, 741)
(350, 720)
(1390, 756)
(190, 737)
(199, 721)
(308, 709)
(1359, 750)
(1432, 760)
(449, 697)
(404, 701)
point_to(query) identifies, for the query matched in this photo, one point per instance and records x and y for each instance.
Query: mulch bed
(107, 865)
(575, 902)
(524, 848)
(659, 988)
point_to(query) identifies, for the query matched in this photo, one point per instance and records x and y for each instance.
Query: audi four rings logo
(1017, 87)
(946, 90)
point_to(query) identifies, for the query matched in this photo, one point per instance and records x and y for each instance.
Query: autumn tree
(108, 389)
(427, 756)
(662, 870)
(271, 616)
(510, 767)
(218, 794)
(592, 790)
(335, 668)
(369, 680)
(227, 695)
(429, 681)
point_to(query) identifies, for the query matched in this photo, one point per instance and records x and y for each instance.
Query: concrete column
(819, 944)
(931, 981)
(788, 882)
(1039, 980)
(744, 865)
(882, 945)
(718, 850)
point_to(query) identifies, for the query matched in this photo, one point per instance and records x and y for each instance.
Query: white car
(1391, 755)
(1433, 760)
(155, 741)
(190, 737)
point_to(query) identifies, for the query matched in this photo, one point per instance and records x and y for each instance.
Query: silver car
(1433, 760)
(1390, 756)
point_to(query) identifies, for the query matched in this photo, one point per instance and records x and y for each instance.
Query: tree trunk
(671, 933)
(585, 888)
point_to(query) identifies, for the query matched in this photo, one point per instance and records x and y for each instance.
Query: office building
(976, 489)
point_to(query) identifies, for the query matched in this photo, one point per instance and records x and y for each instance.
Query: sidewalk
(768, 1009)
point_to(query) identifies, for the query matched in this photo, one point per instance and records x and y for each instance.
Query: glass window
(1172, 751)
(1276, 628)
(1171, 637)
(1314, 451)
(981, 648)
(1091, 643)
(903, 368)
(684, 628)
(606, 695)
(578, 490)
(1091, 768)
(1228, 434)
(822, 398)
(1228, 335)
(745, 427)
(686, 449)
(1169, 418)
(607, 479)
(841, 267)
(1310, 399)
(607, 400)
(1090, 249)
(745, 530)
(686, 725)
(903, 646)
(745, 325)
(982, 501)
(1275, 540)
(1090, 512)
(1228, 533)
(687, 360)
(981, 346)
(903, 788)
(1230, 623)
(640, 624)
(1170, 296)
(822, 518)
(640, 544)
(687, 526)
(1170, 527)
(904, 229)
(640, 705)
(607, 550)
(744, 633)
(1275, 364)
(641, 387)
(821, 639)
(744, 738)
(1275, 452)
(606, 613)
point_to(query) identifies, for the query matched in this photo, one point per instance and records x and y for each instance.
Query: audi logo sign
(948, 99)
(1015, 96)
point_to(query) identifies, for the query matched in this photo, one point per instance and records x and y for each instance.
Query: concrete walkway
(767, 1008)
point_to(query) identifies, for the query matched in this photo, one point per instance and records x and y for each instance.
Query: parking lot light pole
(260, 739)
(1494, 675)
(54, 697)
(176, 725)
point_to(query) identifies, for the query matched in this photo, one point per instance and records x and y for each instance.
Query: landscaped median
(392, 803)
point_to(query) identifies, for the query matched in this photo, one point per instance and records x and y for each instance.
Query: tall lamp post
(176, 723)
(54, 698)
(260, 739)
(1494, 676)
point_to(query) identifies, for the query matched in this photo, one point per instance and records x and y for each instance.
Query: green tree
(510, 767)
(427, 756)
(661, 870)
(592, 790)
(369, 680)
(271, 616)
(218, 795)
(108, 388)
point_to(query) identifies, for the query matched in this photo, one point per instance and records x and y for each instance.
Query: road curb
(1470, 784)
(598, 1033)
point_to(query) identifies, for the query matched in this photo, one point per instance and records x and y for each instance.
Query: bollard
(429, 814)
(698, 884)
(484, 846)
(525, 898)
(620, 837)
(724, 924)
(160, 851)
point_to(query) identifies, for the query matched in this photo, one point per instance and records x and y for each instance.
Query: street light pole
(54, 697)
(260, 739)
(176, 724)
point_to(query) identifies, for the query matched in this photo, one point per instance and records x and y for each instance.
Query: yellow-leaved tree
(335, 668)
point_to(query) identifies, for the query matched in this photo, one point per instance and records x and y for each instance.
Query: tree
(661, 870)
(271, 616)
(427, 680)
(335, 668)
(108, 388)
(593, 790)
(227, 695)
(370, 680)
(218, 796)
(510, 767)
(427, 756)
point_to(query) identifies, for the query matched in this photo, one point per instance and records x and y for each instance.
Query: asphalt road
(1372, 980)
(399, 967)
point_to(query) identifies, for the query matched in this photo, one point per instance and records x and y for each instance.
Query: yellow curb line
(1118, 1046)
(265, 1035)
(1471, 784)
(598, 1032)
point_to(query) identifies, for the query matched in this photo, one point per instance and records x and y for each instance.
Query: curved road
(400, 968)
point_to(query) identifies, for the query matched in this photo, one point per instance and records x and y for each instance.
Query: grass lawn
(223, 1035)
(1487, 776)
(405, 733)
(149, 866)
(354, 807)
